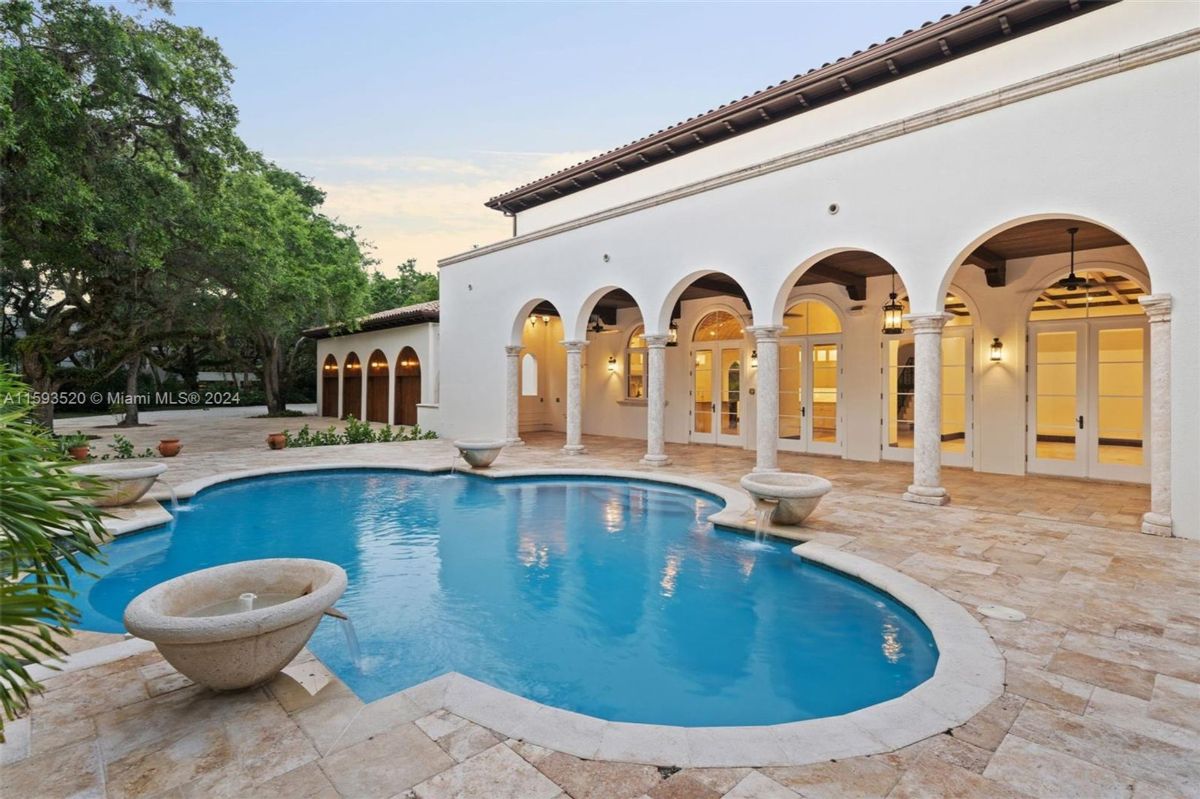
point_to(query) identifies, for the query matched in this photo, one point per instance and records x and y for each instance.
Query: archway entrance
(718, 379)
(329, 386)
(377, 387)
(957, 387)
(1089, 357)
(352, 388)
(809, 367)
(408, 387)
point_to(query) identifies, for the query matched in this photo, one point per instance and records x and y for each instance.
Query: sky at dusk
(411, 115)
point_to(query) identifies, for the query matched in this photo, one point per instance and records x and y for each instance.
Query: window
(810, 318)
(529, 375)
(718, 326)
(635, 364)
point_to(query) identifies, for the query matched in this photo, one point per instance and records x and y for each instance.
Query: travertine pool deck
(1102, 694)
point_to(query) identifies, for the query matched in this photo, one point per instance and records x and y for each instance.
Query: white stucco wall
(1118, 150)
(423, 338)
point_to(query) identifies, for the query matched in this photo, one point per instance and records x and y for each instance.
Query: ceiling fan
(597, 325)
(1074, 282)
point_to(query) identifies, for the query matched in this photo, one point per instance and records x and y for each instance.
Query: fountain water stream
(762, 516)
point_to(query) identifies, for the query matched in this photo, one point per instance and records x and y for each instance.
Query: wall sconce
(997, 350)
(612, 364)
(754, 359)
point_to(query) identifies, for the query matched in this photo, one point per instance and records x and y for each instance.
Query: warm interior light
(612, 363)
(754, 359)
(997, 350)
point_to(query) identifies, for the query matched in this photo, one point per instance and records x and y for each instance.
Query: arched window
(718, 326)
(635, 364)
(810, 318)
(529, 375)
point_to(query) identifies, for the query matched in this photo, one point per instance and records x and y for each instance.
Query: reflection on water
(893, 649)
(670, 572)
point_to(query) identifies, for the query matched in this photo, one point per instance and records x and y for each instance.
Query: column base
(927, 495)
(764, 469)
(1158, 524)
(574, 449)
(655, 460)
(513, 442)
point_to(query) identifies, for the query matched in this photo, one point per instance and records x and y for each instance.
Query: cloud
(425, 207)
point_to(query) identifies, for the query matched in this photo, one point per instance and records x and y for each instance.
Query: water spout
(351, 637)
(246, 601)
(762, 517)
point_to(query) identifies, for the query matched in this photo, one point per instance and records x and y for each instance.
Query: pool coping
(969, 674)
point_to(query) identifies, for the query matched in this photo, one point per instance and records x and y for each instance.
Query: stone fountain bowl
(123, 483)
(480, 454)
(795, 495)
(236, 649)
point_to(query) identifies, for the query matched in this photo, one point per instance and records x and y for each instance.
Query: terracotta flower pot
(79, 453)
(169, 447)
(276, 441)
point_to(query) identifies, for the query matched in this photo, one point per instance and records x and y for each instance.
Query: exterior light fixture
(673, 334)
(754, 359)
(893, 313)
(612, 364)
(997, 350)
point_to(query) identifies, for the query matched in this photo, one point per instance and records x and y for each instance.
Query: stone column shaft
(766, 441)
(1158, 521)
(656, 400)
(574, 445)
(512, 393)
(927, 419)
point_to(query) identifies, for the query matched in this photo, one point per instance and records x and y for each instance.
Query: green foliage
(76, 439)
(409, 287)
(47, 525)
(356, 433)
(122, 449)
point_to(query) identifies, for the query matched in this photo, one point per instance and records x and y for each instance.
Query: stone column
(766, 440)
(927, 420)
(1158, 520)
(574, 445)
(512, 407)
(656, 400)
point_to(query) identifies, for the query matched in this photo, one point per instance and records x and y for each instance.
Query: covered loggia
(377, 387)
(408, 386)
(1061, 295)
(329, 386)
(352, 387)
(536, 374)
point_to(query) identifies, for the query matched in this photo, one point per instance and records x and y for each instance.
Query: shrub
(356, 433)
(47, 525)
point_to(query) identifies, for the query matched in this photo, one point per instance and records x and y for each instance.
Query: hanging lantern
(893, 313)
(997, 350)
(673, 334)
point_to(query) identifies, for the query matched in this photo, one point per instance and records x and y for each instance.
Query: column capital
(765, 332)
(1157, 307)
(513, 350)
(927, 322)
(574, 346)
(656, 341)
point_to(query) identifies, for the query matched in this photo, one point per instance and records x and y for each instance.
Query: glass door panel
(1119, 436)
(702, 397)
(1057, 401)
(899, 395)
(791, 393)
(731, 392)
(824, 403)
(956, 372)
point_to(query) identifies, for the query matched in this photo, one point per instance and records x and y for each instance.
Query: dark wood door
(329, 395)
(352, 396)
(377, 398)
(408, 394)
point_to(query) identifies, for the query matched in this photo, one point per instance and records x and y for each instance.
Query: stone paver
(1102, 679)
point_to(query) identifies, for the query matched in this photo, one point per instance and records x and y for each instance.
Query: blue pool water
(612, 598)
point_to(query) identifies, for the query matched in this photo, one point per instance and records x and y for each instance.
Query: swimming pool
(613, 598)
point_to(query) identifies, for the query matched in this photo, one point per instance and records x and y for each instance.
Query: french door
(899, 396)
(718, 398)
(1087, 415)
(809, 394)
